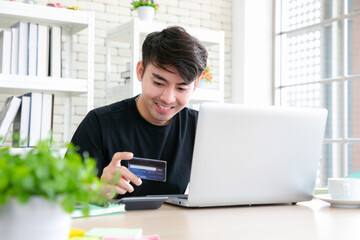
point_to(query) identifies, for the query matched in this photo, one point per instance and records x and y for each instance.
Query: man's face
(164, 93)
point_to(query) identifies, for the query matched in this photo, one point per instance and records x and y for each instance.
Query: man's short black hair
(173, 46)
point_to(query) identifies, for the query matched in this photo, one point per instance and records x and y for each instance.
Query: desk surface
(307, 220)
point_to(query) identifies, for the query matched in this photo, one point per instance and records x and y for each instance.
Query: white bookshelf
(71, 22)
(131, 35)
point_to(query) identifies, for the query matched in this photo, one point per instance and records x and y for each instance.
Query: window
(318, 65)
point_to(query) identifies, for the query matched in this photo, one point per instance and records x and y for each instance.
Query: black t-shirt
(119, 127)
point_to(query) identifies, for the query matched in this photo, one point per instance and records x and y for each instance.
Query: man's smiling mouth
(163, 107)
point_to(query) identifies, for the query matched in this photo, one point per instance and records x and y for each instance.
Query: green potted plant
(145, 8)
(39, 189)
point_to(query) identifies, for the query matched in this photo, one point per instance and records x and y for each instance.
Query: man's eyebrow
(159, 77)
(164, 79)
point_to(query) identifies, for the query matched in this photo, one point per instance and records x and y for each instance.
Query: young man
(155, 124)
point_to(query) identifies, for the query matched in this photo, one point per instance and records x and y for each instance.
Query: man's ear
(139, 70)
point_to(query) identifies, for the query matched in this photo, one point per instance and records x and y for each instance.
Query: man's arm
(88, 139)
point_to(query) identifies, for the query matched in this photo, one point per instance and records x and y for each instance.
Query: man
(155, 124)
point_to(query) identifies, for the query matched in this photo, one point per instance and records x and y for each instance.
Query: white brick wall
(110, 13)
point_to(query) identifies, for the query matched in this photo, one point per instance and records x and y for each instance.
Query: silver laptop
(254, 155)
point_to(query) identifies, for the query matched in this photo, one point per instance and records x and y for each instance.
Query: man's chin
(163, 119)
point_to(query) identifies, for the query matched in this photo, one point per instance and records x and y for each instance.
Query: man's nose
(168, 96)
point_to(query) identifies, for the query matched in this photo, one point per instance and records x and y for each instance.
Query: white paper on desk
(114, 232)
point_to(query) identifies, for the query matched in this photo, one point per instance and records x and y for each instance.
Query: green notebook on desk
(96, 210)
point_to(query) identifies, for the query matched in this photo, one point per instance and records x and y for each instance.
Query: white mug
(344, 188)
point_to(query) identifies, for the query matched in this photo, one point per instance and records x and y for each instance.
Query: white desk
(308, 220)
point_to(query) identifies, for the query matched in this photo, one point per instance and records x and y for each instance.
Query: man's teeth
(164, 108)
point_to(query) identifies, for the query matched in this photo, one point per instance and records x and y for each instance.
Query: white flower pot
(38, 219)
(146, 13)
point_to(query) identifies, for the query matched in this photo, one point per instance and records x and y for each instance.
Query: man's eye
(182, 89)
(158, 83)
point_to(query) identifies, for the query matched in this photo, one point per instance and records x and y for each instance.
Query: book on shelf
(42, 51)
(21, 123)
(20, 31)
(34, 118)
(14, 50)
(47, 116)
(7, 115)
(5, 51)
(55, 52)
(32, 49)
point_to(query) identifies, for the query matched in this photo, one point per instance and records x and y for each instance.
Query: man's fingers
(123, 184)
(129, 176)
(112, 190)
(125, 173)
(116, 160)
(119, 190)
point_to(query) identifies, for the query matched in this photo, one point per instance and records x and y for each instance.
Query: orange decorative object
(206, 74)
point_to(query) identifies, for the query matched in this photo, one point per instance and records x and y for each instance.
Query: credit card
(149, 169)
